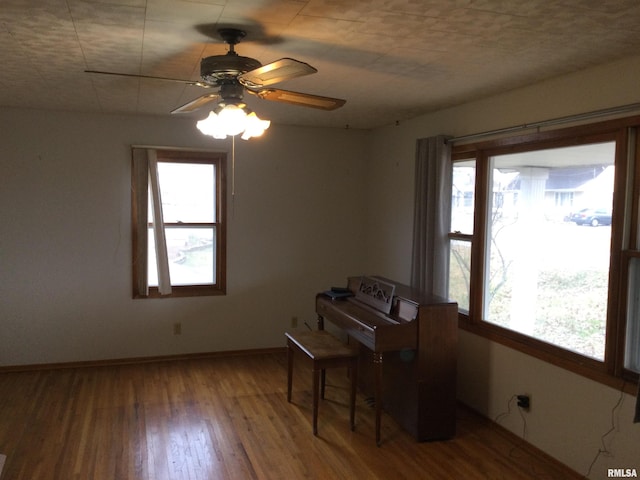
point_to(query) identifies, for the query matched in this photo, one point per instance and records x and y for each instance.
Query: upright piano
(408, 351)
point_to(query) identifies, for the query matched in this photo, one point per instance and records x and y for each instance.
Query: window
(544, 238)
(178, 215)
(547, 266)
(462, 216)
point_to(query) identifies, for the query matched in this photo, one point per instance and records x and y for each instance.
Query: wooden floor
(227, 418)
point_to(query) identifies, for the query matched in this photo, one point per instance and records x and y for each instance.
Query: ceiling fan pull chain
(233, 166)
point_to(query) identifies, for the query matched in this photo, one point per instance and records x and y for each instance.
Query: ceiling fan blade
(297, 98)
(197, 103)
(148, 77)
(274, 72)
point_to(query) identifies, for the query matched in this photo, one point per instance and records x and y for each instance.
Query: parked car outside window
(592, 216)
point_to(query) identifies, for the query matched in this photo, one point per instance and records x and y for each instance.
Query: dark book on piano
(338, 292)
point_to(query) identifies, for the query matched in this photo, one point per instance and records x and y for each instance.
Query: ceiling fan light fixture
(212, 126)
(231, 120)
(255, 127)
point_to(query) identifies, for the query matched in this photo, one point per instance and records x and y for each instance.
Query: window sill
(184, 291)
(573, 362)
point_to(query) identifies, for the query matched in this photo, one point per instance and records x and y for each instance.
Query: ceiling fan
(232, 75)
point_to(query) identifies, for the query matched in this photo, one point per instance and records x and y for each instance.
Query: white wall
(569, 413)
(294, 228)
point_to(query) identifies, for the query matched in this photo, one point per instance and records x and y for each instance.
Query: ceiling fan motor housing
(231, 92)
(226, 67)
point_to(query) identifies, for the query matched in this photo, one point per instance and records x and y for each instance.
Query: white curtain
(145, 171)
(432, 216)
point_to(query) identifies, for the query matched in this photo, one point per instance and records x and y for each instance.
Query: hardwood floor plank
(228, 418)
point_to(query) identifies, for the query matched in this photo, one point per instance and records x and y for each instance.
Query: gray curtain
(432, 216)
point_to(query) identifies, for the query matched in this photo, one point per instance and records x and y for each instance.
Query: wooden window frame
(624, 241)
(218, 160)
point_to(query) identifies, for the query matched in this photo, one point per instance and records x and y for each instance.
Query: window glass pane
(187, 191)
(463, 193)
(549, 242)
(191, 254)
(459, 272)
(632, 351)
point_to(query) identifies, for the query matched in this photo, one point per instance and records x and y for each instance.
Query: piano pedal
(371, 401)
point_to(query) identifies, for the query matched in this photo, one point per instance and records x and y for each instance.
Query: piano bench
(326, 351)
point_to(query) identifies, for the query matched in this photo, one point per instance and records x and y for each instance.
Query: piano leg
(316, 380)
(377, 366)
(354, 380)
(289, 370)
(320, 326)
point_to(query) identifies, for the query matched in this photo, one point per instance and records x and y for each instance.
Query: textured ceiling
(390, 59)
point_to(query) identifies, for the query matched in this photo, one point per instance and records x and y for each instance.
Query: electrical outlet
(294, 322)
(524, 401)
(177, 328)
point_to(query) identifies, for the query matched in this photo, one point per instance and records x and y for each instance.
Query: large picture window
(178, 218)
(547, 261)
(544, 245)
